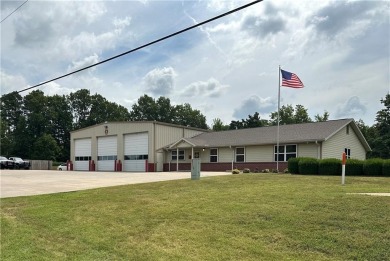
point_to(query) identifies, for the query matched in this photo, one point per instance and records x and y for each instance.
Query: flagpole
(277, 135)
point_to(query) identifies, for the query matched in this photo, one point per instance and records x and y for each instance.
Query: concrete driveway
(15, 183)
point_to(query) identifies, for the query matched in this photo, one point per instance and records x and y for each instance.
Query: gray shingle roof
(294, 133)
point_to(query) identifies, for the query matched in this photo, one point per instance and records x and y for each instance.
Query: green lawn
(237, 217)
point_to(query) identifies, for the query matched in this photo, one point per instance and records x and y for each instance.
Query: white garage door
(136, 151)
(82, 154)
(107, 153)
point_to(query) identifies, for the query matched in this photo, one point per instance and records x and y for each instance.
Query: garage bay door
(107, 153)
(82, 154)
(136, 151)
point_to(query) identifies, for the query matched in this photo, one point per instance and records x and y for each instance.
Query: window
(108, 157)
(181, 155)
(347, 130)
(82, 158)
(285, 152)
(347, 153)
(213, 155)
(136, 157)
(240, 154)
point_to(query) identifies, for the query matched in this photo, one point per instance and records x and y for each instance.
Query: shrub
(373, 167)
(308, 166)
(286, 170)
(265, 171)
(246, 170)
(354, 167)
(329, 167)
(275, 171)
(256, 170)
(386, 168)
(293, 165)
(236, 171)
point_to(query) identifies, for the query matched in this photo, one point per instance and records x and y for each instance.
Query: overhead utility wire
(14, 11)
(145, 45)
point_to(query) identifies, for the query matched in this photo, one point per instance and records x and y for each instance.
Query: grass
(237, 217)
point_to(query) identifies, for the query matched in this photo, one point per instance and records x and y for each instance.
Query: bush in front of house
(293, 167)
(265, 171)
(329, 167)
(354, 167)
(246, 170)
(308, 166)
(236, 171)
(386, 168)
(373, 167)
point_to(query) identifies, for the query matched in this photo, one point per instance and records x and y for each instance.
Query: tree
(144, 110)
(149, 109)
(382, 143)
(254, 121)
(289, 115)
(218, 125)
(60, 124)
(324, 117)
(45, 148)
(186, 116)
(10, 113)
(301, 115)
(80, 103)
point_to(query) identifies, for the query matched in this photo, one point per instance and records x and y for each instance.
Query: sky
(227, 69)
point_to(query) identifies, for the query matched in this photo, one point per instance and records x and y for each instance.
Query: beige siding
(259, 153)
(159, 135)
(334, 147)
(225, 154)
(308, 150)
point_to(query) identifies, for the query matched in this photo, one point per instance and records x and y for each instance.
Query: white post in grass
(343, 169)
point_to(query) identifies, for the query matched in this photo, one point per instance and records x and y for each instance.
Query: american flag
(291, 80)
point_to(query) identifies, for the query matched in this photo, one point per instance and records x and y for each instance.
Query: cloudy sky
(227, 69)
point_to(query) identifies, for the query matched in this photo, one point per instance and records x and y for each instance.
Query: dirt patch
(372, 194)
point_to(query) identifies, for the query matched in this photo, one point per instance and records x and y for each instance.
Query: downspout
(232, 155)
(177, 159)
(318, 150)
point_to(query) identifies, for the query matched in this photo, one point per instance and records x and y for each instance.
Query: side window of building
(240, 154)
(213, 155)
(347, 153)
(285, 152)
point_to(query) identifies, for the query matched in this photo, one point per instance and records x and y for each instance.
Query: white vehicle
(62, 167)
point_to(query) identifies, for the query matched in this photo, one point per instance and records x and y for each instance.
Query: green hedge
(329, 167)
(308, 166)
(354, 167)
(386, 168)
(293, 165)
(373, 167)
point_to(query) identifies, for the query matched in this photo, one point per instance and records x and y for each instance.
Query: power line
(145, 45)
(14, 11)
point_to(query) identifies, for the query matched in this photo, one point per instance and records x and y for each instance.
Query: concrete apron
(15, 183)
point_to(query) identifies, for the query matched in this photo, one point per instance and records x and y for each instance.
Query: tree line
(37, 126)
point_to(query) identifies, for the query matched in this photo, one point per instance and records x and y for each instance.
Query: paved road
(16, 183)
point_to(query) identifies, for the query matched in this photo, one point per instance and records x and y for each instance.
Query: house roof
(293, 133)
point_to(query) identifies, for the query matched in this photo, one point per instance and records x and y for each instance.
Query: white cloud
(160, 81)
(76, 65)
(254, 104)
(11, 82)
(353, 108)
(210, 88)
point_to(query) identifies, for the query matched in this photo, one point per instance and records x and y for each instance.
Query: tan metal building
(156, 146)
(135, 144)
